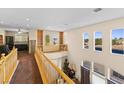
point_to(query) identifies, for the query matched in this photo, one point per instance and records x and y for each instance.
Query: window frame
(83, 40)
(111, 42)
(95, 41)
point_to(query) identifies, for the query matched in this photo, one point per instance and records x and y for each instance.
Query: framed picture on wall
(55, 40)
(47, 40)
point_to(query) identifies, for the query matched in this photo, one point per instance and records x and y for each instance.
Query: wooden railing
(50, 73)
(53, 48)
(63, 47)
(7, 66)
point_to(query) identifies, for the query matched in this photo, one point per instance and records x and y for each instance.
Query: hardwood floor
(27, 71)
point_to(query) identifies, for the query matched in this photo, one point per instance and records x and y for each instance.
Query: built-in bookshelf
(39, 37)
(1, 39)
(61, 36)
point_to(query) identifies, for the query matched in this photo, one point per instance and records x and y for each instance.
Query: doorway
(10, 42)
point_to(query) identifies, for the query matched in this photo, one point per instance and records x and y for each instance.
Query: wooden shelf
(1, 39)
(61, 37)
(39, 37)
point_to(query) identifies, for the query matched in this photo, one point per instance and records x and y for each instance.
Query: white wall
(77, 53)
(58, 58)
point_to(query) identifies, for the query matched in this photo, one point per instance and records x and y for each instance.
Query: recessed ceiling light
(27, 19)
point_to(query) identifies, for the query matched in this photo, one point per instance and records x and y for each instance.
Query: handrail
(52, 48)
(39, 55)
(64, 76)
(40, 66)
(7, 66)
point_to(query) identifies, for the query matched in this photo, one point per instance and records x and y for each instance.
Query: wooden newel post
(3, 55)
(3, 66)
(13, 47)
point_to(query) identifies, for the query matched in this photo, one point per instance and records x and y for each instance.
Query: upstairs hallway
(27, 71)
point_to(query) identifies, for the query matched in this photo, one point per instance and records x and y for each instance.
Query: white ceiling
(58, 19)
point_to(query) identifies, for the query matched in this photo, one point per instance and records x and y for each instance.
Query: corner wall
(77, 54)
(32, 40)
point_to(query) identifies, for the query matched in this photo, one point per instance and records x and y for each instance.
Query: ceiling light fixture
(19, 31)
(97, 10)
(65, 24)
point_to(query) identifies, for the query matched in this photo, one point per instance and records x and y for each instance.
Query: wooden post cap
(3, 54)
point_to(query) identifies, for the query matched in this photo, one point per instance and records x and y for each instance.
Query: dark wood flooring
(27, 71)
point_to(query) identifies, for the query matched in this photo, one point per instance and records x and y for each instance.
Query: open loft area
(62, 46)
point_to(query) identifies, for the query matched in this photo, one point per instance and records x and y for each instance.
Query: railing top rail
(51, 44)
(63, 75)
(13, 50)
(1, 61)
(7, 56)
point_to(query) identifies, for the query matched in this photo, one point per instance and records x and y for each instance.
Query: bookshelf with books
(1, 39)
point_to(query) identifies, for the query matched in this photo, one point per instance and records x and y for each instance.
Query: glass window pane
(87, 64)
(85, 40)
(98, 41)
(118, 41)
(100, 69)
(117, 77)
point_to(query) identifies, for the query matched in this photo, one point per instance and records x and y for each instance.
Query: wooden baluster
(14, 63)
(13, 48)
(1, 74)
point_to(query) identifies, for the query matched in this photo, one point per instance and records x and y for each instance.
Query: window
(118, 41)
(87, 64)
(117, 77)
(21, 38)
(98, 41)
(100, 69)
(86, 41)
(99, 76)
(97, 79)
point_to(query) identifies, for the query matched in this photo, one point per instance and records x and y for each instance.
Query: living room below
(19, 39)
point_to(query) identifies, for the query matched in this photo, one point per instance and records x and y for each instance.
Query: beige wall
(10, 33)
(77, 54)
